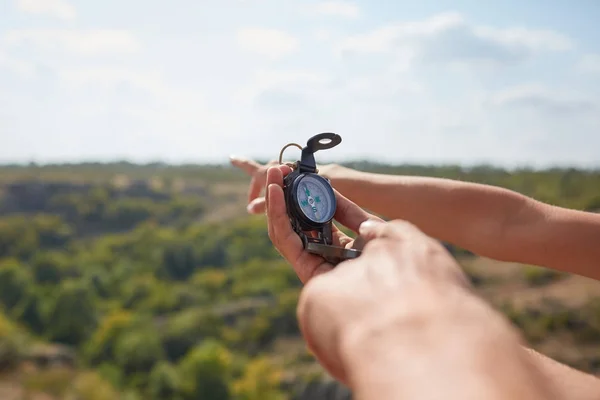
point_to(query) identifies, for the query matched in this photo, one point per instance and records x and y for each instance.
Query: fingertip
(368, 226)
(285, 169)
(274, 176)
(238, 161)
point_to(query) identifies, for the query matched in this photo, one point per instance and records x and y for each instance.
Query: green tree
(71, 315)
(137, 352)
(51, 267)
(206, 372)
(15, 282)
(186, 329)
(164, 382)
(101, 346)
(179, 261)
(261, 381)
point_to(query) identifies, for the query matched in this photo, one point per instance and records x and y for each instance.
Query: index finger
(248, 166)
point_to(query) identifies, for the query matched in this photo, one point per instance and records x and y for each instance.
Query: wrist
(341, 178)
(328, 170)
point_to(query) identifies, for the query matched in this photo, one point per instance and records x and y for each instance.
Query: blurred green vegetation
(120, 269)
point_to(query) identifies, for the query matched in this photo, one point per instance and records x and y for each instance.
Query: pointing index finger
(246, 165)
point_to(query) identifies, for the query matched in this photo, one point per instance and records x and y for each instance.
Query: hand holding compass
(301, 207)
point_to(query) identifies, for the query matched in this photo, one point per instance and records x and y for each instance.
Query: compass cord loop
(289, 164)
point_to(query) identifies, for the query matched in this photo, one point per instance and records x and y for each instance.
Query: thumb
(370, 229)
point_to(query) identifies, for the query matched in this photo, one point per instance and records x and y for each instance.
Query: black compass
(311, 202)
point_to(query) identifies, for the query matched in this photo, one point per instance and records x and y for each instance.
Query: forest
(150, 281)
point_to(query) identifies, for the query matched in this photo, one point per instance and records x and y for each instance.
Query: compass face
(315, 198)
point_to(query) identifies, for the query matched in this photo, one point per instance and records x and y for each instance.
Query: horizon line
(366, 161)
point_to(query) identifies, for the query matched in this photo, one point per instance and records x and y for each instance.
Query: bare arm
(489, 221)
(458, 346)
(492, 222)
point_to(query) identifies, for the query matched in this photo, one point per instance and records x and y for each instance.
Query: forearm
(490, 221)
(465, 214)
(456, 350)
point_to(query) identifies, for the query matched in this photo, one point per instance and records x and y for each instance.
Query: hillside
(151, 282)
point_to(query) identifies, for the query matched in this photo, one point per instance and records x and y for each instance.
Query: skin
(447, 343)
(489, 221)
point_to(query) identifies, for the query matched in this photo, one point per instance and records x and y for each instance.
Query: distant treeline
(569, 187)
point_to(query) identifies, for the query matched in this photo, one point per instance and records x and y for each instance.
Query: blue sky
(508, 83)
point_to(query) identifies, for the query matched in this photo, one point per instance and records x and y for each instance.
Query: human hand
(287, 241)
(402, 277)
(258, 173)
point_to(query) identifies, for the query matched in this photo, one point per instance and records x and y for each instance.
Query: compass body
(311, 203)
(310, 199)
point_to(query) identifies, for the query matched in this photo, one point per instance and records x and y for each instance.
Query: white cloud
(22, 68)
(150, 90)
(268, 80)
(56, 8)
(385, 38)
(337, 8)
(589, 63)
(111, 76)
(540, 98)
(322, 34)
(147, 102)
(83, 42)
(271, 43)
(449, 38)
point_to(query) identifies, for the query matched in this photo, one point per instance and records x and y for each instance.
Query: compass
(311, 203)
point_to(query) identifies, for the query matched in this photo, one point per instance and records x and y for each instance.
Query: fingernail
(250, 208)
(368, 225)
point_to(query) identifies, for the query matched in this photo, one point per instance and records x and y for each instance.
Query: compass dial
(315, 198)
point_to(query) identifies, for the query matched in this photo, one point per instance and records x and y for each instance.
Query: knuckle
(402, 228)
(403, 225)
(376, 246)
